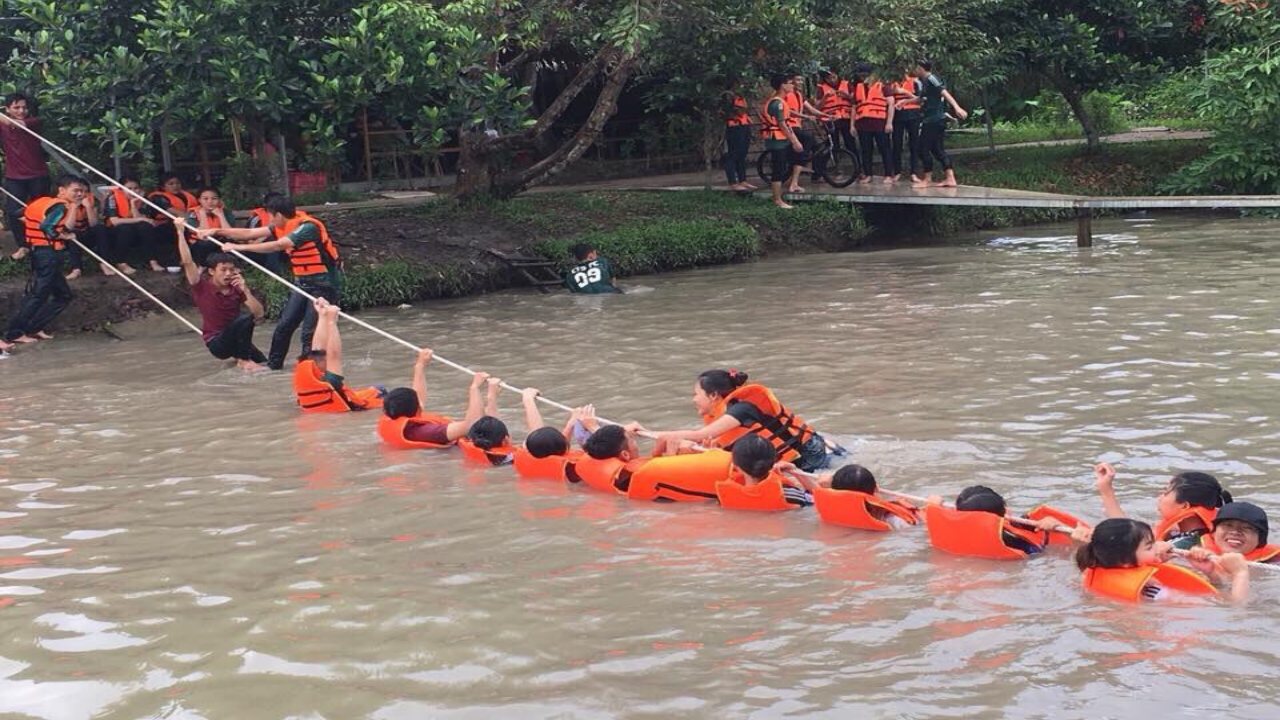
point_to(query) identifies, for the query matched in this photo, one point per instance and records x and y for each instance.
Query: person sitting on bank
(45, 226)
(405, 422)
(206, 215)
(132, 233)
(593, 275)
(88, 229)
(318, 381)
(174, 201)
(219, 292)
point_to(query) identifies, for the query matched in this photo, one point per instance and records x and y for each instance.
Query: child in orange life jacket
(1186, 507)
(405, 422)
(545, 441)
(980, 498)
(318, 381)
(756, 459)
(609, 443)
(490, 440)
(855, 478)
(1240, 527)
(1123, 560)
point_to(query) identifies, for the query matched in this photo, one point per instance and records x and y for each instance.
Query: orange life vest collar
(742, 117)
(124, 205)
(1169, 525)
(500, 455)
(550, 467)
(849, 508)
(766, 495)
(392, 431)
(1127, 583)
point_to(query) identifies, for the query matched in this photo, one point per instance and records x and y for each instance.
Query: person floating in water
(593, 275)
(318, 381)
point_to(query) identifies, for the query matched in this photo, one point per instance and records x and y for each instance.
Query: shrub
(664, 245)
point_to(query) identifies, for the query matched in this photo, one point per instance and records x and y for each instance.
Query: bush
(659, 246)
(388, 283)
(246, 180)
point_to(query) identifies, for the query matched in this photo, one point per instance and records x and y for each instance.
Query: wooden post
(368, 160)
(284, 162)
(1084, 227)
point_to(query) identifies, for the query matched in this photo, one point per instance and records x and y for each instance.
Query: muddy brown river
(177, 541)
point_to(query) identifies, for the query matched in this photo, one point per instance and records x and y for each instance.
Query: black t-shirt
(745, 413)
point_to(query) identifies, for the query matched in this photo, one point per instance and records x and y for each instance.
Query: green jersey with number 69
(591, 278)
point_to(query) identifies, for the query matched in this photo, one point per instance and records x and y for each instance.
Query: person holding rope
(45, 228)
(26, 175)
(313, 257)
(218, 293)
(318, 381)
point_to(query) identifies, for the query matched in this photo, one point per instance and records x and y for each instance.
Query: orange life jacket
(769, 127)
(178, 204)
(392, 431)
(766, 495)
(870, 102)
(601, 475)
(849, 508)
(1127, 583)
(212, 220)
(742, 117)
(785, 430)
(1262, 553)
(690, 477)
(493, 456)
(124, 205)
(1169, 525)
(975, 533)
(794, 103)
(33, 215)
(80, 215)
(908, 85)
(317, 396)
(310, 258)
(1055, 538)
(264, 217)
(830, 100)
(550, 467)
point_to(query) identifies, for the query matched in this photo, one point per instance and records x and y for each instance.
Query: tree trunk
(475, 165)
(1075, 100)
(987, 120)
(712, 138)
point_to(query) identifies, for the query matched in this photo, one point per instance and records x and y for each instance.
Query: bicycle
(837, 166)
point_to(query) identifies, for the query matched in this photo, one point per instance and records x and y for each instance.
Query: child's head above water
(1118, 543)
(980, 498)
(754, 456)
(545, 442)
(855, 478)
(488, 432)
(610, 441)
(401, 402)
(1240, 527)
(1191, 489)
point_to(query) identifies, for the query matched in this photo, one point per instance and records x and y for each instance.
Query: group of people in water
(888, 113)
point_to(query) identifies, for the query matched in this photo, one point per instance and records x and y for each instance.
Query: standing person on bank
(218, 292)
(800, 110)
(737, 138)
(933, 127)
(873, 119)
(45, 224)
(313, 258)
(785, 149)
(906, 126)
(835, 99)
(26, 175)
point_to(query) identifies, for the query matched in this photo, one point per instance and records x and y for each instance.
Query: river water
(177, 541)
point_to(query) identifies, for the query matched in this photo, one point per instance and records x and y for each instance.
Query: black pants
(737, 141)
(202, 249)
(236, 341)
(297, 311)
(931, 147)
(26, 190)
(47, 294)
(807, 142)
(880, 141)
(132, 241)
(97, 239)
(843, 135)
(907, 123)
(781, 161)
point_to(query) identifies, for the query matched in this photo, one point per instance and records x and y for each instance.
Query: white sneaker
(173, 269)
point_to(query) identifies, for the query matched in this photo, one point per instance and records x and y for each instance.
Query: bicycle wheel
(764, 167)
(841, 168)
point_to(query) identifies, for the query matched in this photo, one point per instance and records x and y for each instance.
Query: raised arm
(253, 235)
(328, 336)
(960, 112)
(532, 416)
(1104, 479)
(189, 268)
(420, 376)
(491, 401)
(475, 401)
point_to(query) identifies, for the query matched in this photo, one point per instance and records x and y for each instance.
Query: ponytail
(1199, 489)
(1085, 558)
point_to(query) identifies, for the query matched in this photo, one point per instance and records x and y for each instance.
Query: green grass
(1007, 133)
(388, 283)
(10, 268)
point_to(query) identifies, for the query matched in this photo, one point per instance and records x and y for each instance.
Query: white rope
(230, 247)
(127, 279)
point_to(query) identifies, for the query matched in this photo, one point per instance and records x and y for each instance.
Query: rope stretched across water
(127, 279)
(231, 248)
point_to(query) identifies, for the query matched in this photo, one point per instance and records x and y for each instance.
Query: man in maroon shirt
(26, 175)
(218, 292)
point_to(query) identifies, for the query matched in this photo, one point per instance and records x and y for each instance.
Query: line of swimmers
(753, 453)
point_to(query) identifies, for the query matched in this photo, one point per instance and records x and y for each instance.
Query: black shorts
(780, 162)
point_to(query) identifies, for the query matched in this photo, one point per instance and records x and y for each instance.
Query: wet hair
(213, 260)
(754, 456)
(1199, 489)
(854, 477)
(926, 64)
(69, 180)
(281, 204)
(582, 250)
(545, 442)
(721, 382)
(607, 442)
(488, 432)
(980, 498)
(777, 80)
(401, 402)
(1115, 544)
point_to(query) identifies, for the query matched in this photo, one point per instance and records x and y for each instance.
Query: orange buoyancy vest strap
(849, 508)
(263, 217)
(1170, 525)
(1262, 553)
(316, 395)
(785, 430)
(973, 533)
(500, 455)
(766, 495)
(190, 200)
(742, 117)
(770, 129)
(124, 204)
(1127, 583)
(598, 474)
(908, 85)
(1055, 538)
(871, 104)
(690, 477)
(312, 257)
(392, 431)
(794, 103)
(33, 217)
(550, 467)
(830, 100)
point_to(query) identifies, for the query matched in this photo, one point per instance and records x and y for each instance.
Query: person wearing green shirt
(785, 148)
(593, 275)
(933, 127)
